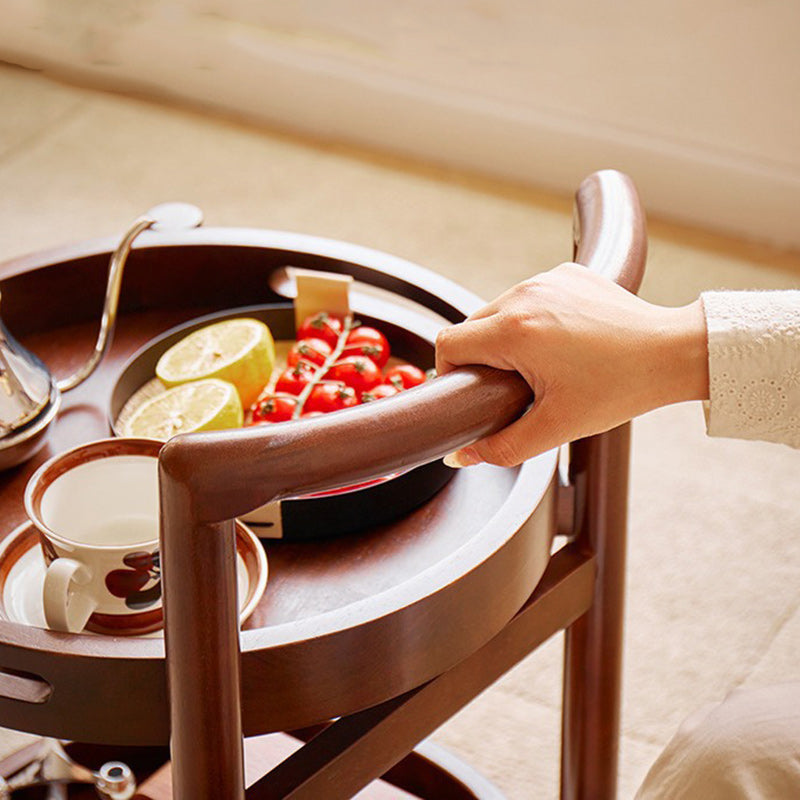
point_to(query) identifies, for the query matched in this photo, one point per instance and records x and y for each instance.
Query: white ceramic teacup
(96, 510)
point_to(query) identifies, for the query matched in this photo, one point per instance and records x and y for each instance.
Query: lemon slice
(238, 350)
(206, 405)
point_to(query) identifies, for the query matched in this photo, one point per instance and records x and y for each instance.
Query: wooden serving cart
(388, 631)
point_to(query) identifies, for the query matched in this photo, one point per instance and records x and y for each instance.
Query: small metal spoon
(51, 766)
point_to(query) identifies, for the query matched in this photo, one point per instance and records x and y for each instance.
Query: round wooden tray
(344, 624)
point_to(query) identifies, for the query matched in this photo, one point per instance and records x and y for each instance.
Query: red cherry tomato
(330, 396)
(321, 325)
(294, 379)
(369, 342)
(313, 350)
(360, 372)
(378, 392)
(274, 408)
(404, 376)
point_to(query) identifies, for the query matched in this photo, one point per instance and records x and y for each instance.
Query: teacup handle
(65, 609)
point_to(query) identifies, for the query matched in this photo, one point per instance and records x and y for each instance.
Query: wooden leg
(201, 633)
(593, 644)
(356, 749)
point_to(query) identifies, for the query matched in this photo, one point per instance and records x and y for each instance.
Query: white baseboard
(332, 99)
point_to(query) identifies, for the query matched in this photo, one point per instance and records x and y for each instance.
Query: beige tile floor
(714, 575)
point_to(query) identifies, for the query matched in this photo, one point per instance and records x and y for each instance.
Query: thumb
(538, 430)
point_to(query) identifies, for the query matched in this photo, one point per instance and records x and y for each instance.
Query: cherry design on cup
(129, 583)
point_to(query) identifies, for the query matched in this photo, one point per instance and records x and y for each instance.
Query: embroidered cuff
(754, 365)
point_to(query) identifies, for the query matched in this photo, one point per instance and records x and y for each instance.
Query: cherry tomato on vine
(273, 408)
(313, 350)
(360, 372)
(369, 342)
(378, 392)
(404, 376)
(294, 379)
(330, 396)
(322, 325)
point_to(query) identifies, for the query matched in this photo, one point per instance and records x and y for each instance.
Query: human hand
(594, 354)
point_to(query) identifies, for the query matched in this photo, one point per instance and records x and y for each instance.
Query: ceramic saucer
(22, 571)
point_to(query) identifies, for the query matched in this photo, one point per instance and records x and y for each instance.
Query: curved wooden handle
(233, 473)
(236, 471)
(208, 478)
(610, 232)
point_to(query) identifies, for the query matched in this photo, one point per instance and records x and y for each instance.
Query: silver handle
(167, 216)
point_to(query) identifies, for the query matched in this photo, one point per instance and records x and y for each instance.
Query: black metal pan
(314, 516)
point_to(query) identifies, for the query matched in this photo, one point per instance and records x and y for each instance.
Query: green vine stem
(319, 373)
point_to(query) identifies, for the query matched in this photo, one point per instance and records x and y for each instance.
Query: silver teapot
(30, 395)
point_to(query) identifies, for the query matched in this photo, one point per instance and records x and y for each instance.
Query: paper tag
(320, 291)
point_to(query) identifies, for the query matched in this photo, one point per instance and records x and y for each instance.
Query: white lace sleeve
(754, 365)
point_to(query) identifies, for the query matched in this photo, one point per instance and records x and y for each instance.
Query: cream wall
(698, 101)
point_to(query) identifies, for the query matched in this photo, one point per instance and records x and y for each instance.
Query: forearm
(679, 361)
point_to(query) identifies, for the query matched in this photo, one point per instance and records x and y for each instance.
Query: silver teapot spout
(29, 394)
